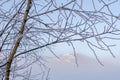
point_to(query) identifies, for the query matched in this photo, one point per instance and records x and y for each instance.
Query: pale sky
(82, 48)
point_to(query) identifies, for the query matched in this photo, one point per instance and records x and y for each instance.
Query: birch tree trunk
(16, 45)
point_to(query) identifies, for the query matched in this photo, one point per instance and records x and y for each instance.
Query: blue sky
(82, 48)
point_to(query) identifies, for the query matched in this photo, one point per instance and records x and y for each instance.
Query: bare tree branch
(28, 27)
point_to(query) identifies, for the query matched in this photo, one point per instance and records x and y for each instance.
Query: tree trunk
(16, 45)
